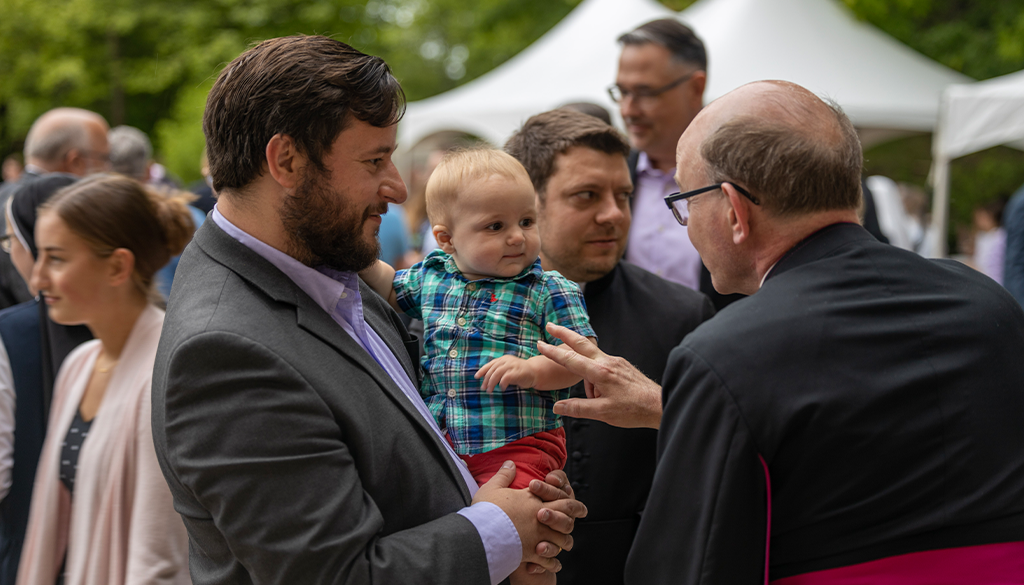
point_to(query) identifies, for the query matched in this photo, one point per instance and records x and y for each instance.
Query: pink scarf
(120, 527)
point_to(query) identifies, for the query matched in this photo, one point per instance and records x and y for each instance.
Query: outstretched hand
(617, 393)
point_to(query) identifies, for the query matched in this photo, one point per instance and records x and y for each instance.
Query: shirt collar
(645, 167)
(767, 272)
(439, 259)
(330, 289)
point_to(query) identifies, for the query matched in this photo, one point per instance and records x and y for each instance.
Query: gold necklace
(106, 369)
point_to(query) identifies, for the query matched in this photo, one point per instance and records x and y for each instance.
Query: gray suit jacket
(291, 455)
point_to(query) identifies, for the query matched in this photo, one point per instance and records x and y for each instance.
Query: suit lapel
(378, 321)
(386, 331)
(312, 318)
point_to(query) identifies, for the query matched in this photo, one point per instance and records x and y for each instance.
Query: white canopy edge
(820, 45)
(981, 115)
(973, 117)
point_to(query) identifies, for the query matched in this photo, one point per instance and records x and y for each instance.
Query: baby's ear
(444, 238)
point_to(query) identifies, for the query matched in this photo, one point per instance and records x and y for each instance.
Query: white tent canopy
(981, 115)
(819, 44)
(574, 61)
(974, 117)
(816, 43)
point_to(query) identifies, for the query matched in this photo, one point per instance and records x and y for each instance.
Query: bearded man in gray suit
(286, 415)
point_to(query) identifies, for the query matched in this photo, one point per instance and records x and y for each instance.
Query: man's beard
(325, 230)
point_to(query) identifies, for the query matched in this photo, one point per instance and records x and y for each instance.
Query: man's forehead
(367, 139)
(647, 58)
(582, 159)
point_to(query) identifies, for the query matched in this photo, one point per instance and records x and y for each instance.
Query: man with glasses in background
(659, 88)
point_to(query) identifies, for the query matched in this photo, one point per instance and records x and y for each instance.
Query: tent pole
(940, 205)
(940, 180)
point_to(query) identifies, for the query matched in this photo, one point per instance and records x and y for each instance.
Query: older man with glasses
(856, 419)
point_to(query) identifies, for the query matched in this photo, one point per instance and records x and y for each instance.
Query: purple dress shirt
(657, 243)
(338, 294)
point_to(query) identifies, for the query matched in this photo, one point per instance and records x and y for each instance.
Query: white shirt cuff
(501, 541)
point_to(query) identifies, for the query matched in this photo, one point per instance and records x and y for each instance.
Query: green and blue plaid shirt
(466, 325)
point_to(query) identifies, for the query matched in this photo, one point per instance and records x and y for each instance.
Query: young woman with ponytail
(101, 511)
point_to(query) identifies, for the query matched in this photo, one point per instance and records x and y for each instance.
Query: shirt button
(451, 394)
(344, 295)
(453, 353)
(471, 287)
(462, 321)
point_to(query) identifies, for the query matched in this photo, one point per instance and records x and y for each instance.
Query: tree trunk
(116, 83)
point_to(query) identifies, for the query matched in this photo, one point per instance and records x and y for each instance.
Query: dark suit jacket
(884, 394)
(642, 318)
(291, 455)
(20, 334)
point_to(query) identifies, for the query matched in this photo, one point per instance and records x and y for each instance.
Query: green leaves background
(150, 63)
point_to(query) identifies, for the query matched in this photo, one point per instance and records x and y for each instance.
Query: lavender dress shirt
(657, 243)
(338, 294)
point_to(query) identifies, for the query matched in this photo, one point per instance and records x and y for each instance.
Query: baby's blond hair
(463, 165)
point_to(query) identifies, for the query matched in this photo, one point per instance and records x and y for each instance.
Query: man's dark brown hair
(546, 135)
(306, 87)
(675, 36)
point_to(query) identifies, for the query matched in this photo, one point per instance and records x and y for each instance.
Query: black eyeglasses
(682, 212)
(618, 93)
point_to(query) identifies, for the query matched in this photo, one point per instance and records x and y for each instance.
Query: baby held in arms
(484, 300)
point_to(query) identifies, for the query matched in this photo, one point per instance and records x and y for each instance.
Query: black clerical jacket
(640, 317)
(879, 396)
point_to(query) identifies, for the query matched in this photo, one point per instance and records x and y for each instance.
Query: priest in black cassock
(858, 417)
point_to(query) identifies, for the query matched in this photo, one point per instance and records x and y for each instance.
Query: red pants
(535, 456)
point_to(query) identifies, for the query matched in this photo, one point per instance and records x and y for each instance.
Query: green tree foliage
(150, 64)
(146, 64)
(981, 38)
(450, 42)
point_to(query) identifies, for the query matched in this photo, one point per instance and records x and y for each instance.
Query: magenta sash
(987, 564)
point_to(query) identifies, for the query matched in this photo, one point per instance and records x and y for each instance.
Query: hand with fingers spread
(617, 393)
(544, 516)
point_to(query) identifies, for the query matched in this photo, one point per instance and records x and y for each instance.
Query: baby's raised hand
(508, 370)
